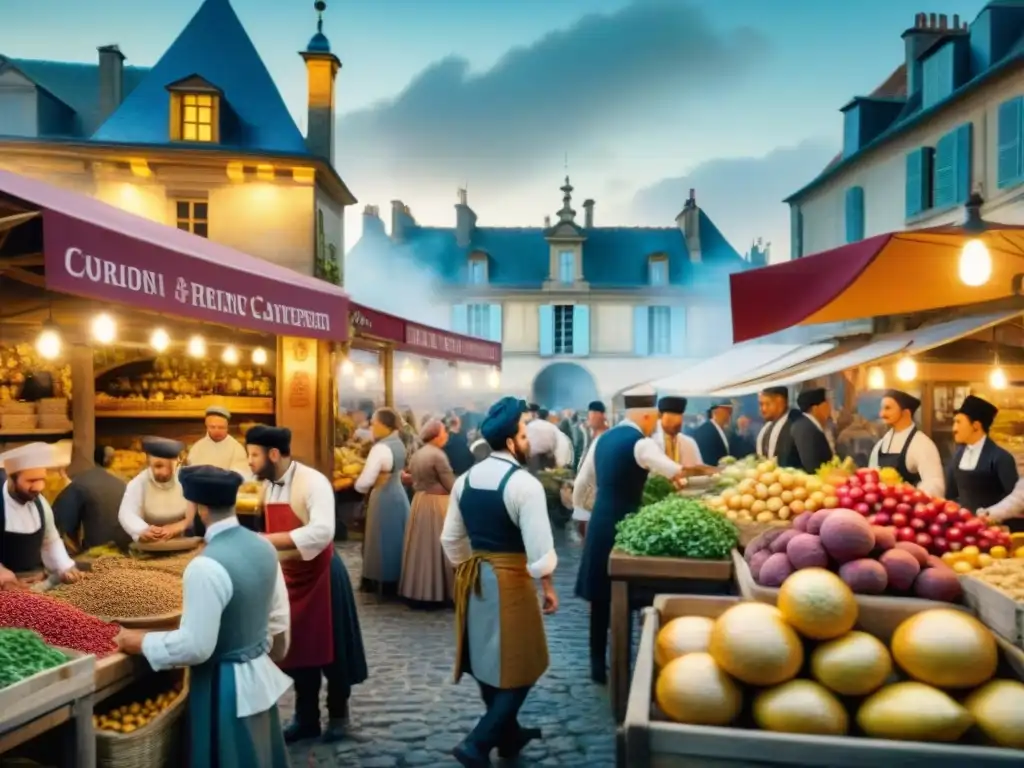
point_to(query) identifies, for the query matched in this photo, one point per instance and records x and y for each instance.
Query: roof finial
(320, 6)
(567, 213)
(319, 42)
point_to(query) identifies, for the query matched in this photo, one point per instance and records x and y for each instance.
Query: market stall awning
(422, 339)
(868, 351)
(95, 250)
(892, 274)
(738, 363)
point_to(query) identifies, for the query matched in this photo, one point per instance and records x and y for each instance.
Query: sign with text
(450, 346)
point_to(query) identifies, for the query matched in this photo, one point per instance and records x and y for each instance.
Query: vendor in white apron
(905, 448)
(218, 448)
(154, 506)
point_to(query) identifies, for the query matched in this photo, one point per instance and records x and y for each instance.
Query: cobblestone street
(410, 714)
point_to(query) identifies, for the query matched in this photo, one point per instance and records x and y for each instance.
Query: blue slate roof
(214, 46)
(519, 257)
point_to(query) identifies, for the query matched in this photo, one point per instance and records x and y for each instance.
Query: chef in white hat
(218, 448)
(29, 541)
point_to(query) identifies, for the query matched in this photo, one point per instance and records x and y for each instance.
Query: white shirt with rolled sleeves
(922, 459)
(527, 507)
(207, 589)
(24, 519)
(648, 454)
(130, 515)
(318, 534)
(379, 461)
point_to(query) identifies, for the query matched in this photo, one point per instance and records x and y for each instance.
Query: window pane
(205, 115)
(182, 209)
(199, 211)
(659, 272)
(199, 229)
(188, 132)
(205, 133)
(183, 225)
(189, 115)
(566, 267)
(204, 100)
(189, 99)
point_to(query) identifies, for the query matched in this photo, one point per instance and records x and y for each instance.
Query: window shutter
(944, 177)
(581, 330)
(677, 337)
(494, 319)
(547, 330)
(963, 162)
(1009, 162)
(796, 232)
(916, 182)
(460, 318)
(641, 324)
(854, 214)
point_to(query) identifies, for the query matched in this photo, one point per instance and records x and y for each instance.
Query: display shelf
(191, 408)
(34, 432)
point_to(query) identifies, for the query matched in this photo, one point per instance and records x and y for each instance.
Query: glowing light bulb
(347, 369)
(370, 373)
(906, 369)
(876, 378)
(259, 356)
(48, 344)
(104, 329)
(159, 340)
(975, 264)
(494, 379)
(229, 356)
(997, 379)
(465, 380)
(359, 383)
(197, 346)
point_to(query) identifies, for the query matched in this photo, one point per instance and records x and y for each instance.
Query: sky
(639, 100)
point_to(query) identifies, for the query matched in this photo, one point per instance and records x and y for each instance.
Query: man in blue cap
(498, 536)
(234, 620)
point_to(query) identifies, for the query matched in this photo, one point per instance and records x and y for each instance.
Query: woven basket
(155, 745)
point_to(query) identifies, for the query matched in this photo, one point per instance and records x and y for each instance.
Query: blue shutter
(851, 131)
(547, 330)
(944, 176)
(581, 330)
(796, 232)
(917, 183)
(854, 214)
(460, 318)
(964, 152)
(641, 330)
(1009, 157)
(677, 330)
(494, 319)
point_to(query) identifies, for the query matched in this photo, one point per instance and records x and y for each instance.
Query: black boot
(470, 757)
(515, 745)
(337, 723)
(297, 730)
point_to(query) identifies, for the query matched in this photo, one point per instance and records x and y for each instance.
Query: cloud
(572, 85)
(742, 195)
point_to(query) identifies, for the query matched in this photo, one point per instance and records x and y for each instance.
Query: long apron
(386, 517)
(164, 506)
(21, 552)
(309, 595)
(898, 461)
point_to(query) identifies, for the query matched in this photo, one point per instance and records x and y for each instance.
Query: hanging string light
(104, 329)
(259, 356)
(159, 340)
(347, 369)
(49, 342)
(876, 377)
(197, 346)
(997, 378)
(229, 355)
(906, 369)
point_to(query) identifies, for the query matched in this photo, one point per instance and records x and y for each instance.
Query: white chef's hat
(31, 456)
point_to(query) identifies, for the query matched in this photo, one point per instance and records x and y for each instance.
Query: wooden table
(635, 580)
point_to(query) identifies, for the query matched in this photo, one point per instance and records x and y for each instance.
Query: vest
(485, 515)
(620, 480)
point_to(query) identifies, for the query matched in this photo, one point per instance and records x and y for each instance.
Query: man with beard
(498, 536)
(298, 510)
(678, 446)
(29, 541)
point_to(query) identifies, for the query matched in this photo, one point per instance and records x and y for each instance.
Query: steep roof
(215, 46)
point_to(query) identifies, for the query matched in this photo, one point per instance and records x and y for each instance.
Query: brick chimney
(371, 221)
(465, 220)
(928, 27)
(111, 80)
(688, 222)
(588, 214)
(401, 220)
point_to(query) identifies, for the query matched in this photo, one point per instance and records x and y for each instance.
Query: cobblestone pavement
(409, 713)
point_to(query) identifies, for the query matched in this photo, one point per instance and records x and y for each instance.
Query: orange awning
(892, 274)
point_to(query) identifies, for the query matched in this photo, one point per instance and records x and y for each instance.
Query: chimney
(547, 222)
(465, 220)
(111, 80)
(588, 214)
(400, 219)
(371, 221)
(688, 222)
(916, 40)
(321, 71)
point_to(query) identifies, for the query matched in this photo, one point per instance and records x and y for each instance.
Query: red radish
(905, 509)
(871, 498)
(890, 503)
(856, 494)
(965, 515)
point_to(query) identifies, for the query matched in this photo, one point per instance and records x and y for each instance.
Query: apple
(856, 494)
(898, 520)
(970, 540)
(974, 525)
(936, 530)
(941, 518)
(965, 515)
(906, 534)
(862, 508)
(951, 508)
(955, 534)
(924, 540)
(905, 509)
(883, 519)
(941, 544)
(853, 482)
(918, 524)
(871, 498)
(985, 544)
(889, 502)
(871, 488)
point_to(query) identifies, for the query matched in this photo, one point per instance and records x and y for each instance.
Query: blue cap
(502, 420)
(210, 486)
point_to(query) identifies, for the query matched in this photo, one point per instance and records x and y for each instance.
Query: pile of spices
(23, 654)
(119, 594)
(60, 625)
(173, 565)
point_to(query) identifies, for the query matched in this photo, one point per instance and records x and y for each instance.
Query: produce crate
(652, 740)
(11, 421)
(750, 531)
(53, 406)
(1000, 612)
(876, 611)
(625, 566)
(54, 421)
(156, 744)
(47, 690)
(16, 408)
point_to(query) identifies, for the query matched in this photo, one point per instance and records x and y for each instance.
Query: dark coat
(459, 455)
(812, 448)
(712, 449)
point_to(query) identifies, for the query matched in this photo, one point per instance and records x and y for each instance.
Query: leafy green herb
(657, 488)
(677, 527)
(23, 653)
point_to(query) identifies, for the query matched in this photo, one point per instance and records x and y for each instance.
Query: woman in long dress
(388, 508)
(427, 576)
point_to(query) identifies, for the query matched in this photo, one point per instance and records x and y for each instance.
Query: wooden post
(325, 407)
(388, 360)
(83, 408)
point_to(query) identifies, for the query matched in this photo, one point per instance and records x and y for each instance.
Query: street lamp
(975, 259)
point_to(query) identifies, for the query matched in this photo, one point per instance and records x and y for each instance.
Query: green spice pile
(677, 527)
(23, 654)
(657, 488)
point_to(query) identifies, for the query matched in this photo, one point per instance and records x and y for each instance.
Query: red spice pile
(60, 624)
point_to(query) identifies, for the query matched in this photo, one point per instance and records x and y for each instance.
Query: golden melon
(800, 706)
(946, 648)
(754, 644)
(818, 604)
(915, 712)
(693, 689)
(998, 709)
(852, 665)
(686, 634)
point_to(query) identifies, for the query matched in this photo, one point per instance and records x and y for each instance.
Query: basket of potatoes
(140, 727)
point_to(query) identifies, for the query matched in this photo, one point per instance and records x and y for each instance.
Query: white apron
(163, 503)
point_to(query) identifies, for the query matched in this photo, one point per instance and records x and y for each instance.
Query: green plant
(677, 527)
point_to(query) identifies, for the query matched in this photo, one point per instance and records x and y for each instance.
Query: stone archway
(564, 385)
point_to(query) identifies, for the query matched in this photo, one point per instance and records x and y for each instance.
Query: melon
(946, 648)
(818, 604)
(913, 711)
(686, 634)
(694, 689)
(800, 706)
(855, 664)
(998, 709)
(754, 644)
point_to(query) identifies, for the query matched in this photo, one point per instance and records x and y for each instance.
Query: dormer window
(195, 111)
(477, 270)
(567, 267)
(657, 271)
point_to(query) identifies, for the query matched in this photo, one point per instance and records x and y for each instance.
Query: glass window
(659, 272)
(197, 117)
(478, 320)
(566, 267)
(193, 216)
(659, 330)
(563, 329)
(477, 271)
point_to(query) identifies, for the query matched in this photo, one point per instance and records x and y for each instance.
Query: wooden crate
(1000, 612)
(46, 691)
(750, 531)
(624, 566)
(652, 741)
